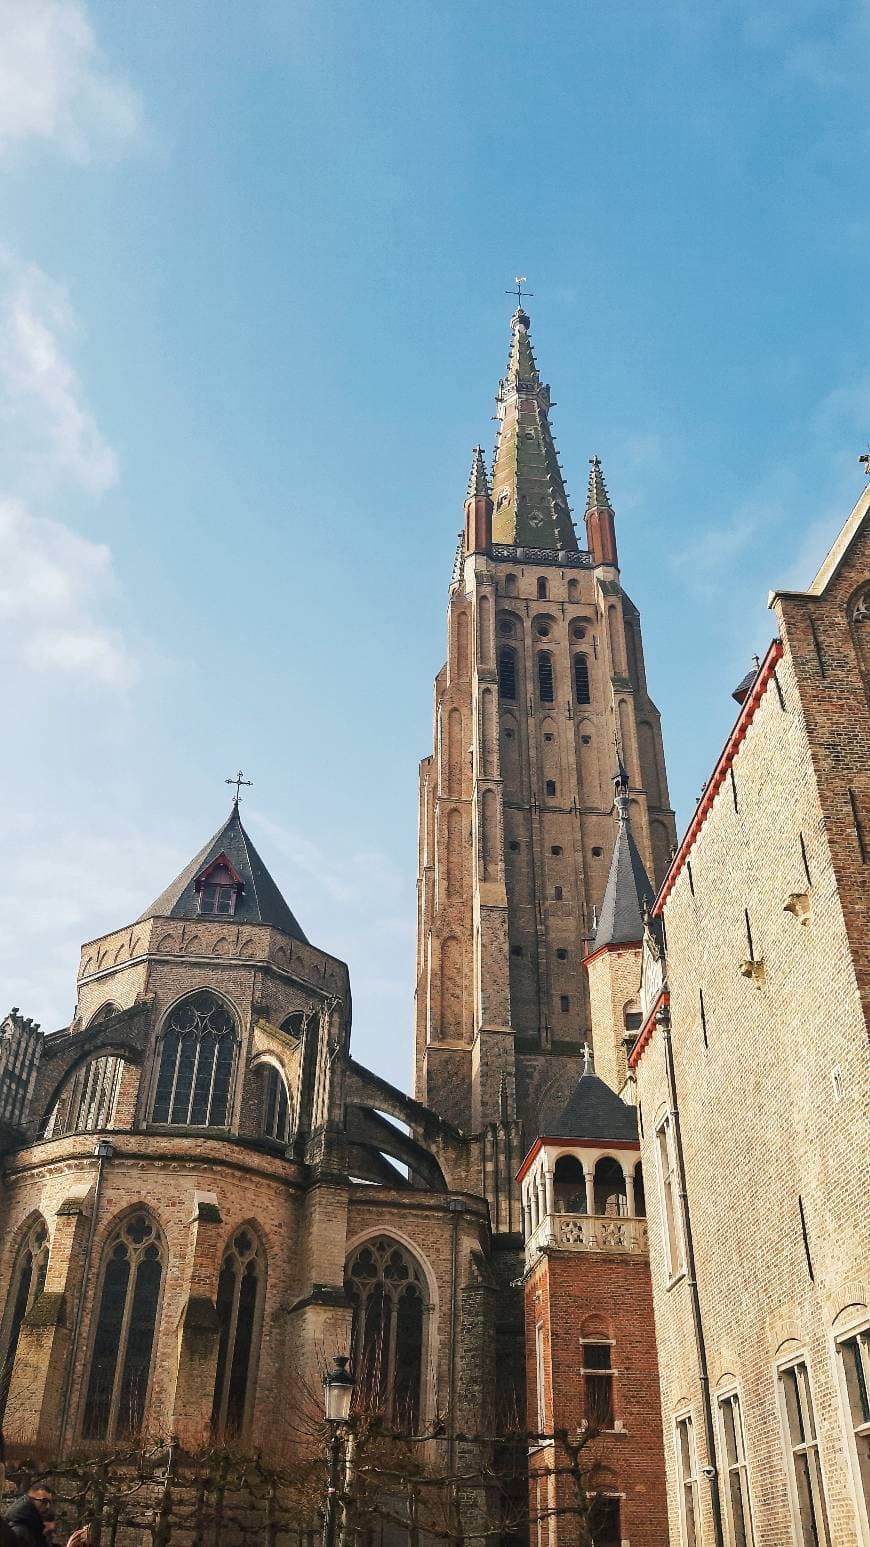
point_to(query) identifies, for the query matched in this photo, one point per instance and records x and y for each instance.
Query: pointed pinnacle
(478, 483)
(598, 497)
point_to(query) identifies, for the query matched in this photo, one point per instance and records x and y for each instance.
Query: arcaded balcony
(593, 1207)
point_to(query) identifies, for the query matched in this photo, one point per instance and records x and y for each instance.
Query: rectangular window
(557, 893)
(539, 1378)
(687, 1472)
(668, 1184)
(565, 1003)
(854, 1355)
(802, 1449)
(736, 1481)
(598, 1385)
(550, 787)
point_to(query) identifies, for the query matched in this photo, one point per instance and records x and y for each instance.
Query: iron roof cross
(519, 281)
(238, 781)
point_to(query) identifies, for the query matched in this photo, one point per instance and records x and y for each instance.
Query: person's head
(43, 1498)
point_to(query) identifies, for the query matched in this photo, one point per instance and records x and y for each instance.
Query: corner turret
(478, 506)
(600, 518)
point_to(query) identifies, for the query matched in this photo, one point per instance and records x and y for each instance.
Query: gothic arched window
(123, 1347)
(543, 590)
(581, 679)
(507, 673)
(274, 1104)
(28, 1282)
(238, 1306)
(387, 1290)
(545, 677)
(196, 1064)
(86, 1102)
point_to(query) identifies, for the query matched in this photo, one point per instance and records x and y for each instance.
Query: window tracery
(196, 1064)
(387, 1291)
(28, 1282)
(87, 1100)
(126, 1325)
(239, 1300)
(274, 1104)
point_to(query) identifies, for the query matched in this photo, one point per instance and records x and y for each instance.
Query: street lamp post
(337, 1393)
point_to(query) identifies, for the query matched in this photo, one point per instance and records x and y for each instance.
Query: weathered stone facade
(761, 999)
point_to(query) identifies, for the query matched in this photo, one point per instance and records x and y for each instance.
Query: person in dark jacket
(25, 1516)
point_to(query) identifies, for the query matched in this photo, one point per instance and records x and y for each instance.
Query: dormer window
(218, 888)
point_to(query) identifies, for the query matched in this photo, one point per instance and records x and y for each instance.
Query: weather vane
(238, 781)
(519, 281)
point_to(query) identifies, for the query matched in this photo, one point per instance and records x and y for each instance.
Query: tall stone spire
(600, 521)
(531, 505)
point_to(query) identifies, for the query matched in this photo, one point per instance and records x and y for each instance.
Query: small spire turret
(478, 506)
(600, 520)
(478, 482)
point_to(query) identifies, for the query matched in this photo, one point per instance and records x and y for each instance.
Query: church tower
(544, 678)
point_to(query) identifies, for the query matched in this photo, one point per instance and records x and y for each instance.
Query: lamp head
(338, 1390)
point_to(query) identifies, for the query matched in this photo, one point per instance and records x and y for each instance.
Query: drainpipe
(663, 1021)
(103, 1151)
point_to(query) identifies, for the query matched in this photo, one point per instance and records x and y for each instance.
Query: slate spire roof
(531, 505)
(259, 900)
(629, 888)
(594, 1111)
(478, 483)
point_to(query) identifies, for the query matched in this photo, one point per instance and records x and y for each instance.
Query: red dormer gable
(221, 872)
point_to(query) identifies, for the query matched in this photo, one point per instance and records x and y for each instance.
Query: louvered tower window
(507, 673)
(545, 677)
(581, 679)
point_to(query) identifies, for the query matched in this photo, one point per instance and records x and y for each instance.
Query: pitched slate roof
(594, 1111)
(620, 921)
(260, 901)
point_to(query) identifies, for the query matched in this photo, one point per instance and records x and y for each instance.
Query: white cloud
(48, 433)
(53, 584)
(55, 84)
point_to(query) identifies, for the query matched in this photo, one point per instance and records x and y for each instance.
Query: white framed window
(539, 1378)
(735, 1476)
(687, 1475)
(805, 1482)
(671, 1222)
(853, 1358)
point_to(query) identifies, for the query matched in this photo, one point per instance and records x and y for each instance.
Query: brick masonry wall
(573, 1295)
(762, 1123)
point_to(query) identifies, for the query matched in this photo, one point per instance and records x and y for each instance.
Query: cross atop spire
(239, 781)
(519, 281)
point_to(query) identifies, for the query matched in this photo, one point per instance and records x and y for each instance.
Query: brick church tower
(544, 673)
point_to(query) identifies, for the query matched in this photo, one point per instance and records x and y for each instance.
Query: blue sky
(252, 317)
